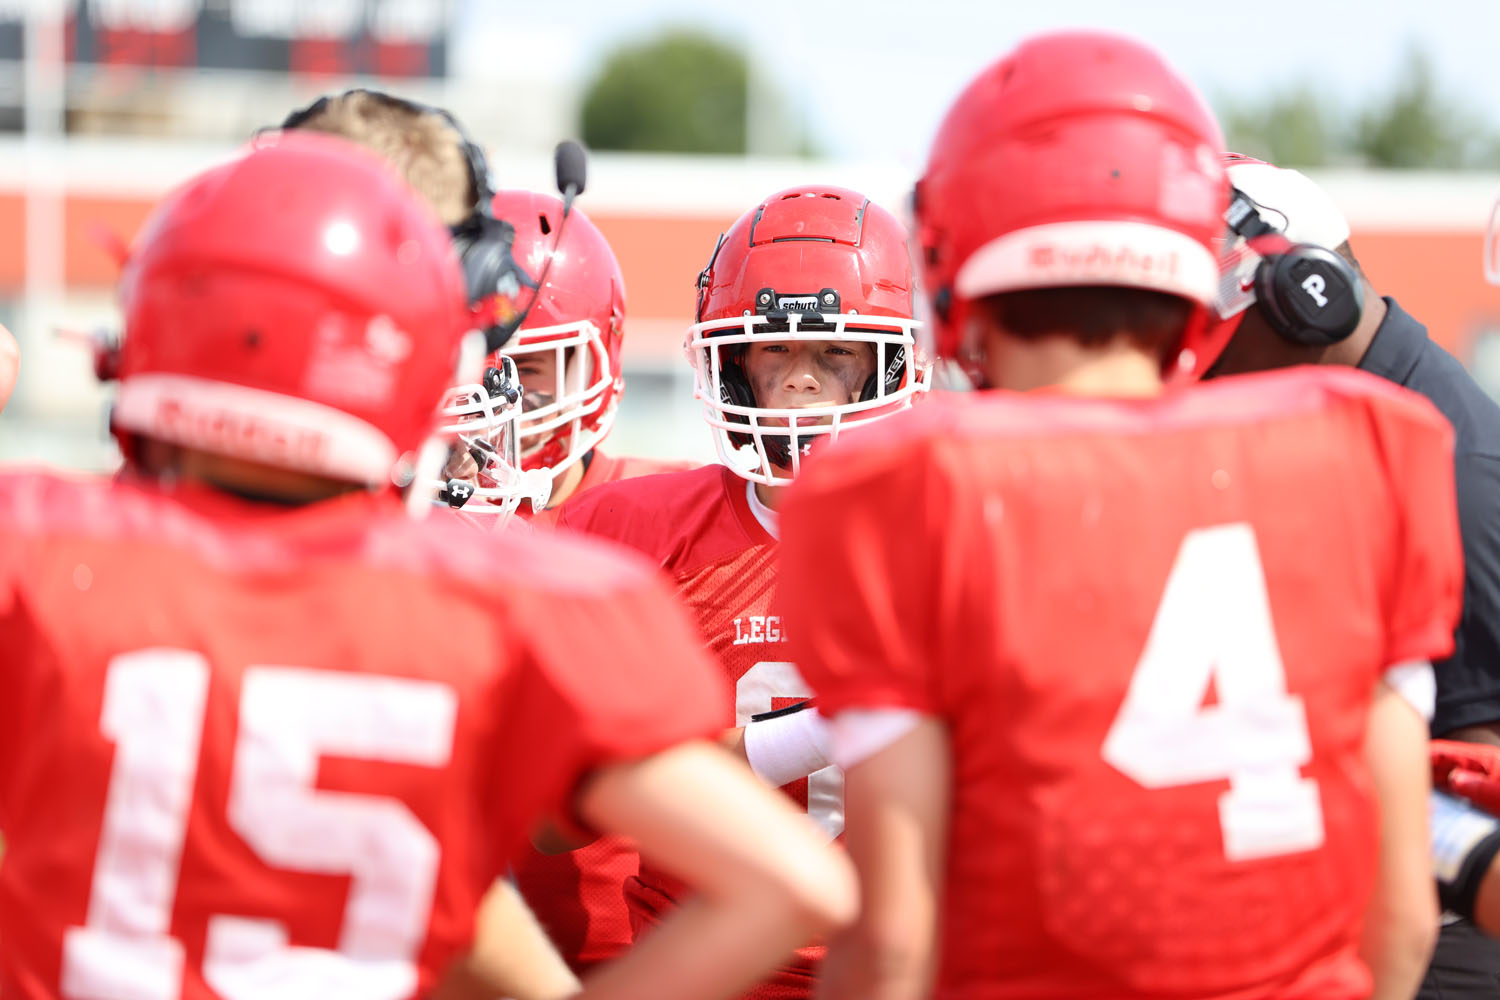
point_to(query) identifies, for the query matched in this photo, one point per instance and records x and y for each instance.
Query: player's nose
(800, 379)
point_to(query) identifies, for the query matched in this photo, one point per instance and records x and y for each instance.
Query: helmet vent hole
(546, 226)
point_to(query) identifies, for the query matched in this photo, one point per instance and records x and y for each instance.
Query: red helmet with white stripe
(299, 307)
(1080, 158)
(811, 263)
(578, 316)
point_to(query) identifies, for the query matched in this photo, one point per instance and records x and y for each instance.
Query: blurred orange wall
(1436, 275)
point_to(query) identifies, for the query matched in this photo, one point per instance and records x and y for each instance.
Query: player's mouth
(817, 420)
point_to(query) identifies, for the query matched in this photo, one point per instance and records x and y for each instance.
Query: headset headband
(475, 164)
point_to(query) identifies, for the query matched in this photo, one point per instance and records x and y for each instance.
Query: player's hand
(1468, 769)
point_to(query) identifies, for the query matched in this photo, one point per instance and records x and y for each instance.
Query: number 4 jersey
(251, 751)
(699, 527)
(1152, 629)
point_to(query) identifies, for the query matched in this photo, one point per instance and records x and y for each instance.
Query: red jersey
(258, 751)
(699, 527)
(1153, 629)
(579, 896)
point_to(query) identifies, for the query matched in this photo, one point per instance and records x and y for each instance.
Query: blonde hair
(424, 147)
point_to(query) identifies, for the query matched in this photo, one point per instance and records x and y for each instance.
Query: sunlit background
(694, 112)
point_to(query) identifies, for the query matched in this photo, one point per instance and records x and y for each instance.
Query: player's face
(538, 371)
(793, 374)
(542, 383)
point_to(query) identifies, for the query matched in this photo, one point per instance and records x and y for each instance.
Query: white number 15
(154, 703)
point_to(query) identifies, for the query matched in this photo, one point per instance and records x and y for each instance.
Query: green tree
(1292, 128)
(1416, 125)
(683, 92)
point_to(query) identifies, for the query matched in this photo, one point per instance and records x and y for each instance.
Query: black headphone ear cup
(479, 170)
(734, 385)
(1265, 297)
(1309, 295)
(485, 247)
(734, 390)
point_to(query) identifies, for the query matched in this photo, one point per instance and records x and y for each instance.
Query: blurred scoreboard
(381, 38)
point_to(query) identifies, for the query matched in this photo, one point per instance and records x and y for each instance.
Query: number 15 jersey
(1152, 629)
(249, 751)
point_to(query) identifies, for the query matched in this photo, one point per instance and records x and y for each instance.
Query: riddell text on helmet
(1098, 257)
(240, 434)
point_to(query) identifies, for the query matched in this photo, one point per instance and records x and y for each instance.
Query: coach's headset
(484, 243)
(1308, 294)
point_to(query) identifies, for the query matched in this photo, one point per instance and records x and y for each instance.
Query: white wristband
(1414, 681)
(861, 733)
(787, 747)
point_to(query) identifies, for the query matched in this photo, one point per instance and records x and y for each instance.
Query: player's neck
(566, 484)
(239, 477)
(770, 495)
(1063, 364)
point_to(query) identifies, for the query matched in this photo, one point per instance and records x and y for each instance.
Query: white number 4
(1214, 624)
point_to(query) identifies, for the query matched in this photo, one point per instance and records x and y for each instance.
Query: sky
(870, 78)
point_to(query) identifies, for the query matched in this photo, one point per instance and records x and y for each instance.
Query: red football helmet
(579, 315)
(1080, 158)
(298, 306)
(807, 263)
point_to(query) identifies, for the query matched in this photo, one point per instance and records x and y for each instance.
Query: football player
(567, 347)
(429, 148)
(1131, 683)
(804, 328)
(557, 289)
(264, 734)
(540, 271)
